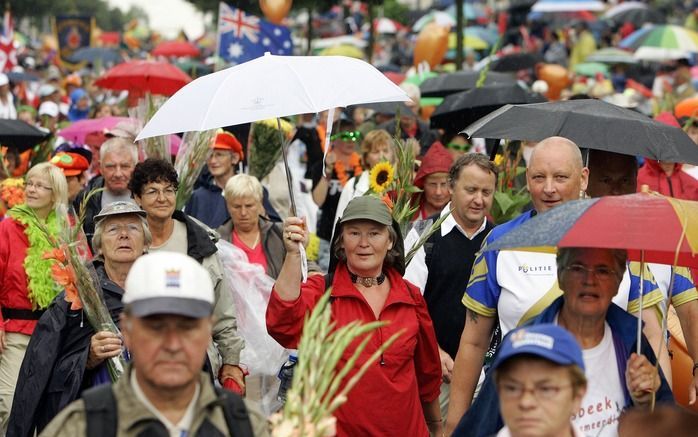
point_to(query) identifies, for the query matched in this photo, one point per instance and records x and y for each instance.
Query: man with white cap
(166, 326)
(7, 100)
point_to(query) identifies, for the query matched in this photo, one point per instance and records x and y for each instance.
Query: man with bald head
(513, 287)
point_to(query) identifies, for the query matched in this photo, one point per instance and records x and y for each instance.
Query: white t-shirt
(177, 241)
(604, 400)
(535, 273)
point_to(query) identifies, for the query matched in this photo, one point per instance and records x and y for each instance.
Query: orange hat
(72, 164)
(73, 79)
(227, 141)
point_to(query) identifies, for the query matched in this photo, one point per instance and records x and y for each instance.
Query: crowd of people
(210, 298)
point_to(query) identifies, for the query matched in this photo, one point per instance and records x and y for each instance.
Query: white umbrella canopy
(271, 86)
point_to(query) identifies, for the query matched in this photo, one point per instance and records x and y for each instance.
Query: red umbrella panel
(176, 49)
(144, 76)
(649, 226)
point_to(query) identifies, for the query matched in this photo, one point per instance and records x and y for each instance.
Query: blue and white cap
(168, 283)
(547, 341)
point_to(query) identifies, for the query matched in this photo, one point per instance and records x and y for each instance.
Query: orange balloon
(275, 10)
(556, 76)
(687, 108)
(431, 45)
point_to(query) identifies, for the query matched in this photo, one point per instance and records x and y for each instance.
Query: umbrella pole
(289, 178)
(639, 314)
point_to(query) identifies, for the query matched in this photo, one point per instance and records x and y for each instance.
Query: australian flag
(243, 37)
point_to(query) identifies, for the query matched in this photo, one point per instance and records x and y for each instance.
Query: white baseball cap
(49, 108)
(168, 283)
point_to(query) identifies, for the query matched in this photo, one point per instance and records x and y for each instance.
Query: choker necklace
(367, 282)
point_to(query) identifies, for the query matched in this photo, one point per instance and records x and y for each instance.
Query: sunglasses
(347, 136)
(459, 147)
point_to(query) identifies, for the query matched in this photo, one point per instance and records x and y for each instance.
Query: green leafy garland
(42, 288)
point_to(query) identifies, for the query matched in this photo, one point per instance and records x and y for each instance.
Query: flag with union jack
(243, 37)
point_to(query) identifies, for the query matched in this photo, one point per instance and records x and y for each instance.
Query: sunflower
(381, 177)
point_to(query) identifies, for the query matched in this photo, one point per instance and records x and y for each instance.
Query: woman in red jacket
(26, 285)
(398, 396)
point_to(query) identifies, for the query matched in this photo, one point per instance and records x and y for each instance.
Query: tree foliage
(107, 18)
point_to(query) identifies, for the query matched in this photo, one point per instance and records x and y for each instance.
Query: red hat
(72, 164)
(436, 160)
(227, 141)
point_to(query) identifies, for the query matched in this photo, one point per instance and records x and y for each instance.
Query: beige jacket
(133, 416)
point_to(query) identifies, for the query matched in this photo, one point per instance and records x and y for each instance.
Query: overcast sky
(168, 16)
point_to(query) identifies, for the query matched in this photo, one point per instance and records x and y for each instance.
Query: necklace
(341, 172)
(367, 281)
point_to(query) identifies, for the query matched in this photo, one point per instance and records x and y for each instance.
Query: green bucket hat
(367, 208)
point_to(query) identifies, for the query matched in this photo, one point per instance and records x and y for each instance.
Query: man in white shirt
(7, 100)
(443, 263)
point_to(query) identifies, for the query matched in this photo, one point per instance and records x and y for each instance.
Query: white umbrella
(268, 87)
(272, 87)
(568, 5)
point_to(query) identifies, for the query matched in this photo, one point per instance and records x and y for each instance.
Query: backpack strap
(235, 412)
(100, 411)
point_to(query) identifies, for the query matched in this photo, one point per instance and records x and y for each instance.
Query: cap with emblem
(168, 283)
(119, 208)
(547, 341)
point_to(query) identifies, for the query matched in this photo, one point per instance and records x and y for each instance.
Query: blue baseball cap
(547, 341)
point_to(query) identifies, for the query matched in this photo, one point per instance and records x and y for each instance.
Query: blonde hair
(373, 138)
(243, 185)
(56, 178)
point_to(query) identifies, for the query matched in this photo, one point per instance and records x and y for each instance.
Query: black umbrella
(387, 108)
(450, 83)
(634, 12)
(461, 109)
(516, 62)
(19, 135)
(94, 54)
(592, 124)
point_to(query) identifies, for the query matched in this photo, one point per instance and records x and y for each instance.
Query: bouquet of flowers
(11, 194)
(190, 160)
(154, 147)
(509, 200)
(318, 387)
(73, 270)
(264, 147)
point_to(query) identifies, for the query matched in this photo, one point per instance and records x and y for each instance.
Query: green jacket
(134, 416)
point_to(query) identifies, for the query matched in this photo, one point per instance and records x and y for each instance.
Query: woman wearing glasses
(618, 377)
(26, 285)
(342, 163)
(65, 355)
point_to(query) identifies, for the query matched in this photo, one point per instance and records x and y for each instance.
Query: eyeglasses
(37, 186)
(601, 273)
(130, 228)
(543, 392)
(155, 193)
(347, 136)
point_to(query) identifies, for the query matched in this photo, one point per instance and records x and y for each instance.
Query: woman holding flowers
(376, 148)
(398, 395)
(26, 285)
(67, 355)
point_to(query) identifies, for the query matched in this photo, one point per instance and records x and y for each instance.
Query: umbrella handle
(289, 178)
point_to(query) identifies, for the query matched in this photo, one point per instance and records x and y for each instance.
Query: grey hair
(565, 255)
(99, 229)
(118, 143)
(391, 257)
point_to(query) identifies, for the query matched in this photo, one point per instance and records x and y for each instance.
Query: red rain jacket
(387, 400)
(679, 185)
(13, 278)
